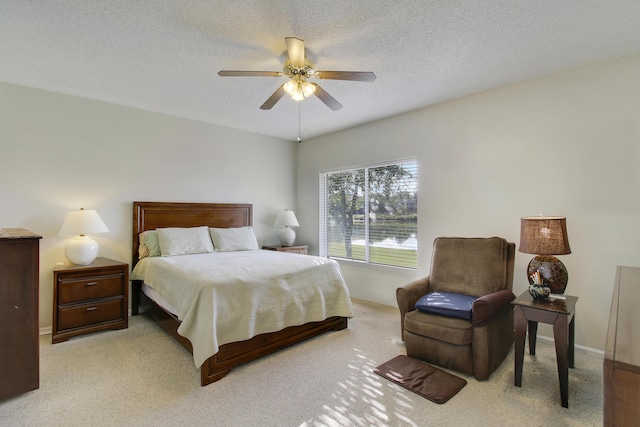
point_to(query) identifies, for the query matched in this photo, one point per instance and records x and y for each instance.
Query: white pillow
(184, 241)
(234, 239)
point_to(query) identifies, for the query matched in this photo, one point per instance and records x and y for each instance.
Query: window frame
(324, 215)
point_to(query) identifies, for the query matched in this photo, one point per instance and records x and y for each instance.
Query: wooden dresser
(89, 298)
(19, 311)
(622, 352)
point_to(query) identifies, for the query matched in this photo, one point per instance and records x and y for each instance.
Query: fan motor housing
(291, 70)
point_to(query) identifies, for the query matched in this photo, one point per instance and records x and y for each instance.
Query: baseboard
(593, 352)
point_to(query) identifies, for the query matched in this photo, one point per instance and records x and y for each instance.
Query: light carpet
(141, 377)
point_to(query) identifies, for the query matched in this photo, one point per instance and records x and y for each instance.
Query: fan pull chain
(299, 139)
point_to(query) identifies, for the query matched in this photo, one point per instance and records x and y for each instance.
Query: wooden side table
(89, 298)
(302, 249)
(557, 312)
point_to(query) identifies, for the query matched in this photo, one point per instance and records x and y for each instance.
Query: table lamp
(286, 219)
(545, 236)
(82, 250)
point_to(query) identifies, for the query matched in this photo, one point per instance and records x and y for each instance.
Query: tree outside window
(370, 214)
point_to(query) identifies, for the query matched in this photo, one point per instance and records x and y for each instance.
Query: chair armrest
(487, 306)
(408, 295)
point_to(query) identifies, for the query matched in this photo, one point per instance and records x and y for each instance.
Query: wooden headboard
(152, 215)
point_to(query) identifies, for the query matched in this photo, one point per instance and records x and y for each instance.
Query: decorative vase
(539, 292)
(552, 271)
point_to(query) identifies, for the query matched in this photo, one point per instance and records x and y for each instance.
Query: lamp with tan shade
(545, 236)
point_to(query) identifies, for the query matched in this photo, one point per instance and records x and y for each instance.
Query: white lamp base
(287, 236)
(81, 250)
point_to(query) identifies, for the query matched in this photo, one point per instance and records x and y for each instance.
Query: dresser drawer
(90, 314)
(82, 288)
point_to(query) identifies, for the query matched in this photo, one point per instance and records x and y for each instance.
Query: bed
(227, 355)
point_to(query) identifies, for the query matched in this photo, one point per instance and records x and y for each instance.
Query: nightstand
(557, 312)
(89, 298)
(292, 249)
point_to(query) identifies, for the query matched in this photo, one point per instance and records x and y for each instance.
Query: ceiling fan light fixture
(298, 88)
(297, 95)
(291, 87)
(308, 89)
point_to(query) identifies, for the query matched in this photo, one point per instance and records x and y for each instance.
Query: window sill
(381, 267)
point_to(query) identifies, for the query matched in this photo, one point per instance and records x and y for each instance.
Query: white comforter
(232, 296)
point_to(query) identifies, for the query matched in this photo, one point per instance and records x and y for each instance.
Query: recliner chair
(476, 267)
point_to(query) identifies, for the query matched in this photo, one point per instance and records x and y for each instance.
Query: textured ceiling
(163, 55)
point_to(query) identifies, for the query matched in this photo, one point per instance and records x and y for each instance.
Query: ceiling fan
(298, 69)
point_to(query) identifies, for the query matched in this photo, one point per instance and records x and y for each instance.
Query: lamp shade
(82, 250)
(544, 235)
(286, 219)
(83, 221)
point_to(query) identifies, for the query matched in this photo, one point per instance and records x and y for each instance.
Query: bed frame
(152, 215)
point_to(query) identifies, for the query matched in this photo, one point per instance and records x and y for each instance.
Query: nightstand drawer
(83, 288)
(90, 314)
(302, 249)
(296, 250)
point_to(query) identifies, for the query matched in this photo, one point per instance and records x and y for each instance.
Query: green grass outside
(377, 255)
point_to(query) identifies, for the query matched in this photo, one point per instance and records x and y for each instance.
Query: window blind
(370, 214)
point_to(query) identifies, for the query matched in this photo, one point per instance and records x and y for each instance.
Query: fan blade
(359, 76)
(329, 100)
(230, 73)
(269, 103)
(295, 48)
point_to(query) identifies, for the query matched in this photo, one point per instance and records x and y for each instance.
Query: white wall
(59, 153)
(566, 144)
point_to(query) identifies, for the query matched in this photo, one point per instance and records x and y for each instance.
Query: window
(370, 214)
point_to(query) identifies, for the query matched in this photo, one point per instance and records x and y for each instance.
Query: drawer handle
(92, 308)
(92, 283)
